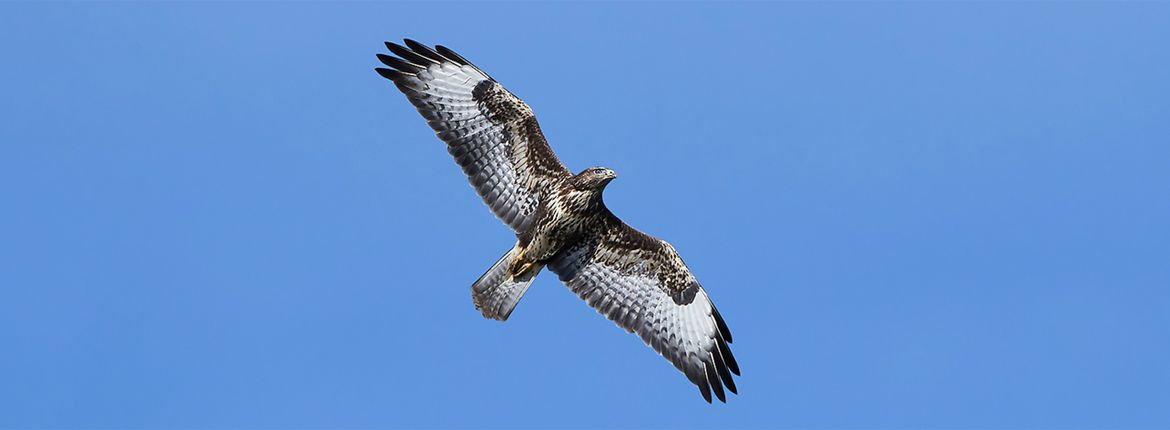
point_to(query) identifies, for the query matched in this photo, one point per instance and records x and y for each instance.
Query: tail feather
(497, 292)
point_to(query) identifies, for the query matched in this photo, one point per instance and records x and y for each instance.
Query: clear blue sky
(911, 214)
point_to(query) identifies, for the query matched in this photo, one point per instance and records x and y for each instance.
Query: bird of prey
(560, 220)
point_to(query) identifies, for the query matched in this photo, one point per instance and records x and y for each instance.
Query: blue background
(910, 214)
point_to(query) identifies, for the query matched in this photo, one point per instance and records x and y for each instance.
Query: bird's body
(560, 219)
(564, 216)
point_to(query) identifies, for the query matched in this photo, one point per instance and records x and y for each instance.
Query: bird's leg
(519, 266)
(522, 270)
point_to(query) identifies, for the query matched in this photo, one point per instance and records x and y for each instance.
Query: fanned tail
(497, 292)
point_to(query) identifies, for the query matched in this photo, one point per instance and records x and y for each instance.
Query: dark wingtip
(721, 324)
(728, 357)
(424, 50)
(713, 380)
(399, 64)
(705, 390)
(447, 52)
(390, 74)
(408, 55)
(412, 43)
(721, 368)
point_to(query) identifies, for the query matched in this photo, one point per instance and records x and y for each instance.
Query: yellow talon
(523, 269)
(522, 265)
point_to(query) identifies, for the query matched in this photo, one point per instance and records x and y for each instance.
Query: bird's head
(593, 178)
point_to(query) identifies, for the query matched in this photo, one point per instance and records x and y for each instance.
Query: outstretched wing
(640, 283)
(491, 133)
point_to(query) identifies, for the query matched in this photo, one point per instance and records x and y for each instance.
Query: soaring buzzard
(560, 220)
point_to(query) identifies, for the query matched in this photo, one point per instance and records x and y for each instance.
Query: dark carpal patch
(686, 295)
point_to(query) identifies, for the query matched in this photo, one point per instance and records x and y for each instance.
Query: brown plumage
(560, 219)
